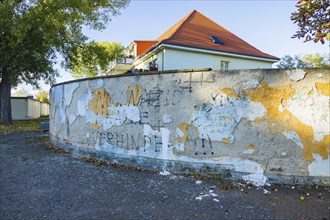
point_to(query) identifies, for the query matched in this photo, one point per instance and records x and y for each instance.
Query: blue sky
(264, 24)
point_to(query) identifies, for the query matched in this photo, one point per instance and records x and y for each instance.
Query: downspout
(163, 58)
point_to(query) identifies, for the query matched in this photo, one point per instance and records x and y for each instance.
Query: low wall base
(225, 173)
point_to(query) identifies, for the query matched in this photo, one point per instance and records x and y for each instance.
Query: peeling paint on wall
(323, 88)
(319, 167)
(284, 121)
(100, 102)
(296, 74)
(293, 136)
(217, 121)
(199, 119)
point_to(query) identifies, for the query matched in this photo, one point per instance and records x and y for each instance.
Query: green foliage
(317, 60)
(313, 20)
(288, 62)
(93, 57)
(42, 96)
(307, 61)
(34, 32)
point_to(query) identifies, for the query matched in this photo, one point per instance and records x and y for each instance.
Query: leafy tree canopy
(34, 32)
(42, 96)
(313, 20)
(317, 60)
(288, 62)
(93, 57)
(306, 61)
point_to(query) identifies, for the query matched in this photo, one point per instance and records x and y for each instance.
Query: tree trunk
(5, 98)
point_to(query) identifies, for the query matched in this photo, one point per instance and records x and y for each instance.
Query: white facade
(175, 58)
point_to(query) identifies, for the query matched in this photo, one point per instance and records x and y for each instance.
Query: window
(153, 66)
(216, 39)
(224, 65)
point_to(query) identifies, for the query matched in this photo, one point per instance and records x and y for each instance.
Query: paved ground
(40, 183)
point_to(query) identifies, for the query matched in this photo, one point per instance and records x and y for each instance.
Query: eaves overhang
(218, 52)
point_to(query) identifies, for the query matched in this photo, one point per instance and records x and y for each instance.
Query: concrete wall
(256, 125)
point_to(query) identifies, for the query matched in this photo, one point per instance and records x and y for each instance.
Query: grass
(21, 126)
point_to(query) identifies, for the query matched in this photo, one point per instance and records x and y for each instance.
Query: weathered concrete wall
(249, 124)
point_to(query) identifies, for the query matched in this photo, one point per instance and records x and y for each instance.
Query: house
(27, 108)
(194, 42)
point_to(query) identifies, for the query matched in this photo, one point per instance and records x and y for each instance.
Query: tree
(291, 62)
(34, 32)
(21, 93)
(317, 60)
(313, 20)
(93, 57)
(42, 96)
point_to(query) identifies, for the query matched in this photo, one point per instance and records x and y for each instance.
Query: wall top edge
(180, 71)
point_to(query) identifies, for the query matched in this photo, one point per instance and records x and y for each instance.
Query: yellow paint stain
(251, 147)
(271, 98)
(184, 128)
(96, 125)
(226, 141)
(323, 88)
(100, 102)
(134, 94)
(229, 92)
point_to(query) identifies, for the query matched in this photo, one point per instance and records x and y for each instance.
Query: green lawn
(23, 125)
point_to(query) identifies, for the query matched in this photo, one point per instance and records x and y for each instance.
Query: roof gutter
(219, 53)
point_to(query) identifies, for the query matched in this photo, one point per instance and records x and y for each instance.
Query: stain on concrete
(100, 102)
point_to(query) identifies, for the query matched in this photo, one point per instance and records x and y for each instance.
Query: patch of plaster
(319, 167)
(181, 136)
(255, 170)
(117, 115)
(217, 120)
(167, 119)
(251, 84)
(164, 134)
(312, 110)
(296, 74)
(62, 99)
(293, 136)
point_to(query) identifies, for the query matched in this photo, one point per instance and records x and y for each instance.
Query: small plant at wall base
(34, 33)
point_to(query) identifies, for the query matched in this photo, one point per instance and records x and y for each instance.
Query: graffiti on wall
(198, 117)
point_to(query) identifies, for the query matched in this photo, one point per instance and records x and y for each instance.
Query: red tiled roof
(143, 45)
(195, 29)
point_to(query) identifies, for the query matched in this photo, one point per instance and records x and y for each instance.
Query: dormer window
(216, 39)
